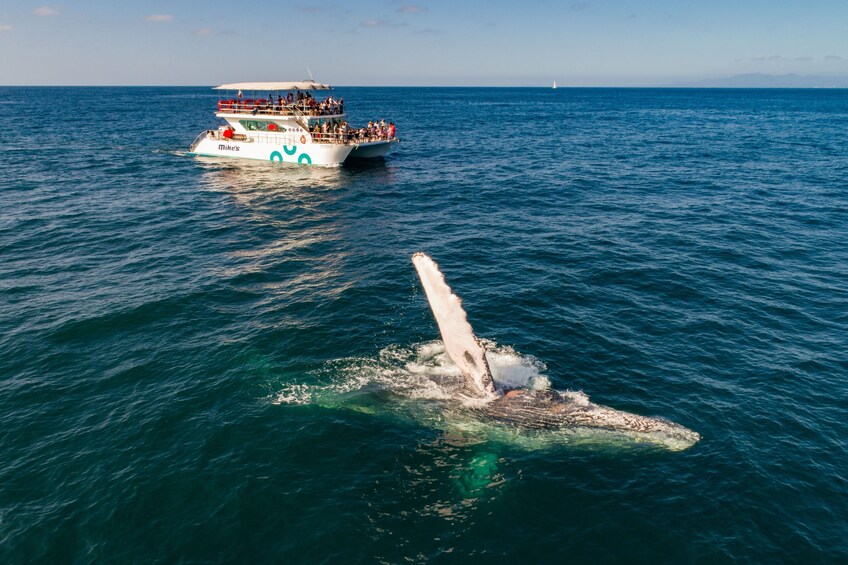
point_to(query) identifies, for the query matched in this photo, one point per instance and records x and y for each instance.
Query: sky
(394, 42)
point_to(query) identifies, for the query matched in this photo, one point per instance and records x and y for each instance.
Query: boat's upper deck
(284, 99)
(307, 106)
(291, 108)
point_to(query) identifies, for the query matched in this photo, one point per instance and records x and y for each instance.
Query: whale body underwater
(524, 408)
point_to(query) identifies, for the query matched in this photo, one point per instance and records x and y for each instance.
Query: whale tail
(461, 345)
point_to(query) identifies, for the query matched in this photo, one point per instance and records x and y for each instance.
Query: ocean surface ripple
(167, 324)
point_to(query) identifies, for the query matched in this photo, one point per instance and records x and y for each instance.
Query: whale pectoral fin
(464, 349)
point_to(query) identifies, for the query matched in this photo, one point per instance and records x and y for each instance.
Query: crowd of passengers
(344, 133)
(303, 101)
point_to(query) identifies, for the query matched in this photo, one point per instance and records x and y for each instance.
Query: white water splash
(294, 394)
(510, 369)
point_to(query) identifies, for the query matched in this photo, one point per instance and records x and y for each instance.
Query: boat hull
(372, 149)
(324, 154)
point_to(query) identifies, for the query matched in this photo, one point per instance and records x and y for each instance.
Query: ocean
(201, 359)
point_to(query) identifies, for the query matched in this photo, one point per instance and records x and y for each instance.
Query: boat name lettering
(224, 146)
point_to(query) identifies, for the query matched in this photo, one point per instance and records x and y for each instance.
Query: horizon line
(549, 87)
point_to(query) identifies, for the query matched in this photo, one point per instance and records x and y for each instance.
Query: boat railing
(323, 138)
(298, 112)
(270, 138)
(347, 138)
(263, 107)
(198, 139)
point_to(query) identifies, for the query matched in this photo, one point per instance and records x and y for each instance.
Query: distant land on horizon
(759, 80)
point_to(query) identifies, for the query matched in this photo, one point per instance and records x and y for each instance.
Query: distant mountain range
(757, 80)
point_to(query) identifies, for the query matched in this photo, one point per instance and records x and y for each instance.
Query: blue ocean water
(167, 324)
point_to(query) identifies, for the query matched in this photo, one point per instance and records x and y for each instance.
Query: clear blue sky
(387, 42)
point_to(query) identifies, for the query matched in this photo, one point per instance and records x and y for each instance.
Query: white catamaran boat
(288, 124)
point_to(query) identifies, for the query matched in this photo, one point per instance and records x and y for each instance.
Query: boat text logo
(227, 147)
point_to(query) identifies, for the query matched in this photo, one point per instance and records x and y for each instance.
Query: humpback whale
(521, 407)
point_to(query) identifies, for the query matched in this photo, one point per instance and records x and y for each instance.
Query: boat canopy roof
(299, 85)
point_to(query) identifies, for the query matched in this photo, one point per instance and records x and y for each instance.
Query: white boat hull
(371, 149)
(325, 154)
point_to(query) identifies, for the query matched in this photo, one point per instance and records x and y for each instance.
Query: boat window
(261, 125)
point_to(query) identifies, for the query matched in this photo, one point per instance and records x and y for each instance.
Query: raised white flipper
(461, 345)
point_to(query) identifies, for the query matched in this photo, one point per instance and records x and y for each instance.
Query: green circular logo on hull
(277, 156)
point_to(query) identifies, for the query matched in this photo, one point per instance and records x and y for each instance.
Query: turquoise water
(200, 359)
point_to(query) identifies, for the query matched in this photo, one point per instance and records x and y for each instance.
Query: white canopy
(301, 85)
